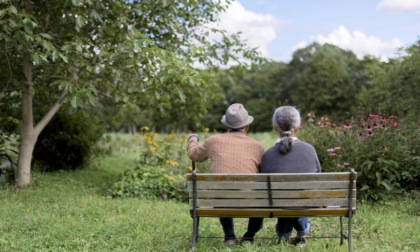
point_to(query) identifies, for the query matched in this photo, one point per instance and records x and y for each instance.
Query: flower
(347, 126)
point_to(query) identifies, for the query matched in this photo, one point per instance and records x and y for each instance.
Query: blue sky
(279, 27)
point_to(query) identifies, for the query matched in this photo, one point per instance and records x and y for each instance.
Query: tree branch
(57, 105)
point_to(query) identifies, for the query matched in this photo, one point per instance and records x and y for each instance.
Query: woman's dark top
(302, 158)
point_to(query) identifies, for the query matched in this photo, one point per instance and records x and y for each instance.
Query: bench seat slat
(246, 213)
(240, 194)
(276, 177)
(275, 203)
(202, 185)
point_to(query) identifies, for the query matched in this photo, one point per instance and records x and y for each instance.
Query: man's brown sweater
(232, 152)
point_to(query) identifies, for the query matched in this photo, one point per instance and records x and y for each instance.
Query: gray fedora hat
(236, 117)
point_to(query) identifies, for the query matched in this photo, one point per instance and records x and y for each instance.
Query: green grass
(71, 211)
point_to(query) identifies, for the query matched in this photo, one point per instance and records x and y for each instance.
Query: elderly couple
(235, 152)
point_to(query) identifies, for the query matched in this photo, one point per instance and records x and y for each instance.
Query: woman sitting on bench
(289, 155)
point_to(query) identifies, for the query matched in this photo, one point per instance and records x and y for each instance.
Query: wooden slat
(235, 212)
(249, 194)
(276, 202)
(274, 185)
(274, 177)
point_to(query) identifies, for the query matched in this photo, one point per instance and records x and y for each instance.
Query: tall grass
(71, 211)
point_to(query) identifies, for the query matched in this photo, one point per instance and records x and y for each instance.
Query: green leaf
(80, 22)
(157, 95)
(64, 58)
(75, 2)
(165, 3)
(74, 101)
(46, 35)
(13, 9)
(386, 185)
(54, 56)
(193, 50)
(27, 27)
(364, 188)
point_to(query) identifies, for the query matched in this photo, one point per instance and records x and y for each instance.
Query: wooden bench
(273, 195)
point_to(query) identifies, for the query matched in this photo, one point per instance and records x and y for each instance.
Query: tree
(83, 51)
(394, 86)
(324, 79)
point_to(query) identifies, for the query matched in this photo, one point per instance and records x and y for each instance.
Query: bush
(378, 147)
(67, 143)
(8, 157)
(150, 183)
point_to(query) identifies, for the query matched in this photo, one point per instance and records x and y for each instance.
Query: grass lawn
(70, 211)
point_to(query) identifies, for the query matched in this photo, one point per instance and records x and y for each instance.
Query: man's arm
(196, 152)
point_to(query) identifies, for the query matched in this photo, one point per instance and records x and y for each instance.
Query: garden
(97, 99)
(132, 197)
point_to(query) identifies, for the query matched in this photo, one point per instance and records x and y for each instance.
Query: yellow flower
(171, 135)
(152, 150)
(144, 128)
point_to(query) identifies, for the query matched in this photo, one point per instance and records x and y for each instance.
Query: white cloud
(400, 5)
(358, 42)
(257, 29)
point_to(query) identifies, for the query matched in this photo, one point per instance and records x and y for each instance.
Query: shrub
(165, 149)
(150, 183)
(376, 146)
(8, 156)
(67, 143)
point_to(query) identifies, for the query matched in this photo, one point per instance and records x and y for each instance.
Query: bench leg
(341, 231)
(194, 233)
(349, 235)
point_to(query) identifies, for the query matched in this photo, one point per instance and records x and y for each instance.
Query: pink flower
(347, 126)
(385, 148)
(394, 125)
(330, 150)
(369, 134)
(337, 148)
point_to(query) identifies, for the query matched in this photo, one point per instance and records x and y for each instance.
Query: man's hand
(194, 135)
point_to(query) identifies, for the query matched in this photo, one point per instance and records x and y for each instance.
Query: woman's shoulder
(304, 144)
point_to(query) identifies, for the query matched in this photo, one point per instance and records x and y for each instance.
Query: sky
(279, 27)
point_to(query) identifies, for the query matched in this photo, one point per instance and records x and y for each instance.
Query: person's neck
(237, 130)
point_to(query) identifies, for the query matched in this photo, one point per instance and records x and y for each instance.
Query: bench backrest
(274, 190)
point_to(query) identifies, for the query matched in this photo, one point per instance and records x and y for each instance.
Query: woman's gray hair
(285, 120)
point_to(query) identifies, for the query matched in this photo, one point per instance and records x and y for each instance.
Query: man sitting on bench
(231, 152)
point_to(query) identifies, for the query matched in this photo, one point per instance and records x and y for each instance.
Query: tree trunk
(28, 135)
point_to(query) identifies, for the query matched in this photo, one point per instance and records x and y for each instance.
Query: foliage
(149, 183)
(324, 79)
(8, 154)
(378, 147)
(82, 52)
(393, 87)
(258, 90)
(67, 143)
